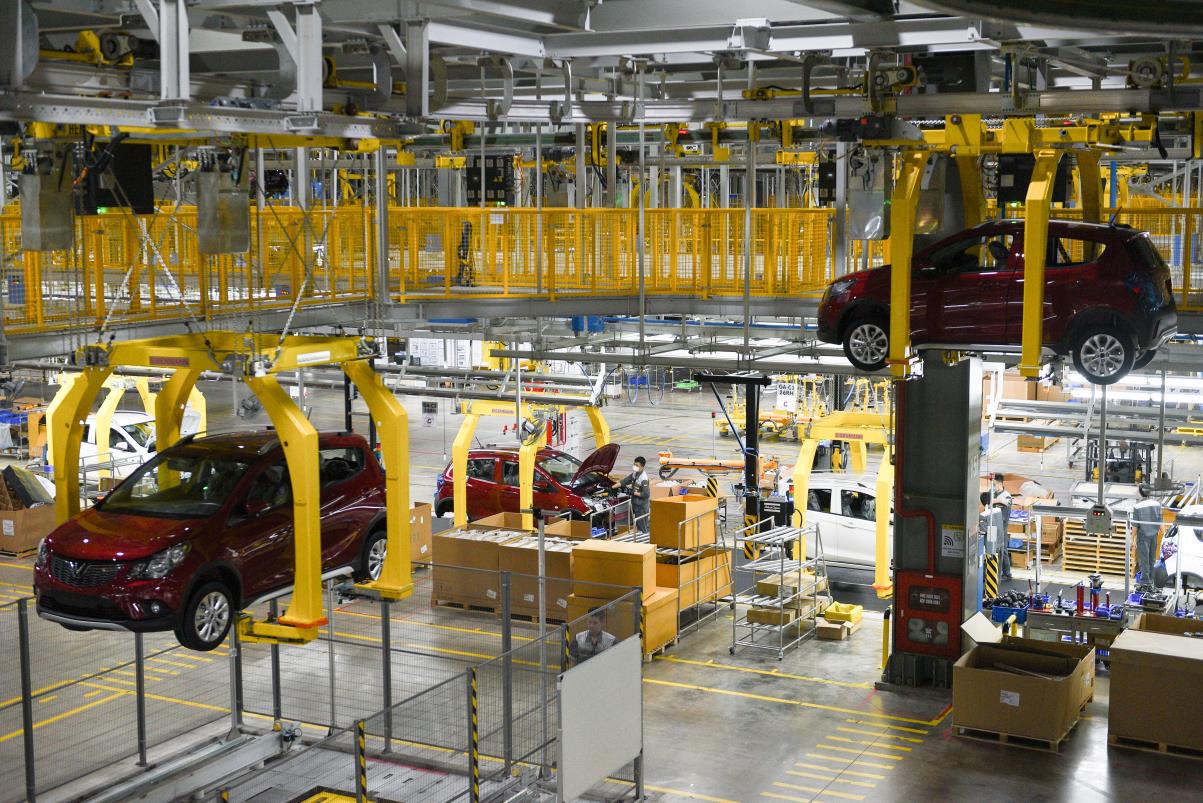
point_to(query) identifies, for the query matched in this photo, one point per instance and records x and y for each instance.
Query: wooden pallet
(1012, 740)
(1155, 747)
(1096, 553)
(463, 606)
(554, 618)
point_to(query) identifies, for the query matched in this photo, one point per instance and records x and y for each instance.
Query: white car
(131, 442)
(845, 510)
(1186, 546)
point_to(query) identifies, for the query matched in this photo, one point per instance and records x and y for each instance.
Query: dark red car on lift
(1108, 302)
(187, 556)
(562, 483)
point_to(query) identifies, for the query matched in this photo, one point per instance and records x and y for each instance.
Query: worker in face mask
(640, 489)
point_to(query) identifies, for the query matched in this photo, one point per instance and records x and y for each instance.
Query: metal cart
(794, 619)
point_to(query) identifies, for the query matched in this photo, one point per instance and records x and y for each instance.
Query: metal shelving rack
(774, 560)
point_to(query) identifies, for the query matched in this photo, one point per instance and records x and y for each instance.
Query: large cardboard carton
(659, 619)
(520, 557)
(1160, 623)
(1157, 688)
(658, 613)
(21, 530)
(619, 617)
(608, 569)
(498, 521)
(466, 566)
(576, 529)
(703, 579)
(420, 525)
(1018, 686)
(684, 522)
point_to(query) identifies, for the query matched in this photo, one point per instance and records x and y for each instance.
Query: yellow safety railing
(455, 253)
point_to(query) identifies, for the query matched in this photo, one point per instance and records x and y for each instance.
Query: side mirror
(254, 507)
(120, 446)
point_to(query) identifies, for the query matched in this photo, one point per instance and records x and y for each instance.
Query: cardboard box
(659, 619)
(620, 617)
(771, 616)
(832, 631)
(21, 530)
(608, 569)
(684, 522)
(576, 529)
(986, 696)
(420, 523)
(520, 558)
(1156, 688)
(663, 488)
(701, 580)
(498, 521)
(1020, 558)
(795, 582)
(1160, 623)
(466, 565)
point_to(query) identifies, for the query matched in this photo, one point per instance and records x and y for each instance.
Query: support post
(31, 785)
(277, 706)
(473, 738)
(459, 468)
(507, 678)
(140, 696)
(526, 481)
(386, 673)
(383, 290)
(1035, 250)
(361, 762)
(902, 246)
(175, 81)
(330, 655)
(235, 684)
(65, 422)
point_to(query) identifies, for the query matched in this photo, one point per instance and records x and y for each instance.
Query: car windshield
(561, 467)
(142, 432)
(174, 485)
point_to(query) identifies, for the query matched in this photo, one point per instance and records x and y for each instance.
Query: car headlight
(840, 287)
(43, 554)
(157, 566)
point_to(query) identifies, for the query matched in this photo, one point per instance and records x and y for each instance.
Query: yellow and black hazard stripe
(712, 486)
(991, 577)
(474, 753)
(361, 761)
(751, 551)
(566, 655)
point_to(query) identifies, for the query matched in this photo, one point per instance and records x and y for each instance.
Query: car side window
(481, 468)
(858, 505)
(509, 473)
(975, 255)
(1069, 252)
(272, 486)
(818, 499)
(337, 465)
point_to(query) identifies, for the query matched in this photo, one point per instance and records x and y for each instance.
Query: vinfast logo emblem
(73, 569)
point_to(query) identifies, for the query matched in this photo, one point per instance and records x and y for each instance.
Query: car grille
(84, 573)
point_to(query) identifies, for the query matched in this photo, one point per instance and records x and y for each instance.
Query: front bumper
(54, 609)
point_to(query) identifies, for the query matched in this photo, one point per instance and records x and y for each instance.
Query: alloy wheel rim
(868, 343)
(1103, 354)
(212, 616)
(376, 555)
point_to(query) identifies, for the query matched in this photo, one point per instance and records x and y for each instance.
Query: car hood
(95, 535)
(601, 462)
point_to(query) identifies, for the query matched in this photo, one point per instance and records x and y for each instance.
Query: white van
(131, 441)
(845, 510)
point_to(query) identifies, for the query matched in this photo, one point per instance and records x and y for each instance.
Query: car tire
(1145, 358)
(867, 342)
(371, 558)
(443, 508)
(1103, 354)
(207, 617)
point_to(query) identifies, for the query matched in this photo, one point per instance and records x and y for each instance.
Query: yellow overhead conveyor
(256, 360)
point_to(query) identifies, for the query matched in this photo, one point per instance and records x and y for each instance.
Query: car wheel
(1145, 359)
(1103, 354)
(375, 547)
(207, 617)
(442, 508)
(867, 342)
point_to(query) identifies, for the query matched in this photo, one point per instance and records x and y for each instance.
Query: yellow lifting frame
(526, 454)
(902, 246)
(1035, 250)
(863, 429)
(264, 356)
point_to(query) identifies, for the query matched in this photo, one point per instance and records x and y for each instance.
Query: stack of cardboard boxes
(684, 529)
(806, 592)
(603, 571)
(26, 511)
(467, 565)
(840, 621)
(520, 557)
(420, 533)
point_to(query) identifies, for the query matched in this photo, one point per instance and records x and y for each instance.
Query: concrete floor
(717, 727)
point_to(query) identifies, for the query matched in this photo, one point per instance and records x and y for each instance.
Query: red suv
(562, 483)
(1107, 297)
(204, 530)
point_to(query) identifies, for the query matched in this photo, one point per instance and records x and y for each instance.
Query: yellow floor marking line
(817, 777)
(476, 631)
(845, 760)
(664, 790)
(114, 680)
(91, 694)
(24, 587)
(169, 662)
(195, 656)
(17, 566)
(36, 692)
(858, 752)
(813, 791)
(161, 670)
(79, 709)
(891, 727)
(765, 698)
(128, 673)
(165, 699)
(47, 699)
(879, 734)
(871, 742)
(776, 796)
(712, 664)
(873, 775)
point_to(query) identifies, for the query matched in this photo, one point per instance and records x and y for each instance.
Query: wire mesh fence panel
(12, 742)
(185, 691)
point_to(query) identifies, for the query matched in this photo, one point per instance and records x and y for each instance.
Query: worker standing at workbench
(1146, 515)
(640, 489)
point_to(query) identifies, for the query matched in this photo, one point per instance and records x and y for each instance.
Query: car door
(818, 513)
(259, 531)
(858, 526)
(508, 492)
(481, 487)
(1071, 272)
(345, 512)
(965, 286)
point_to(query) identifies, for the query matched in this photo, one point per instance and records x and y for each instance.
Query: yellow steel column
(526, 479)
(806, 461)
(1090, 186)
(970, 172)
(169, 405)
(145, 394)
(392, 423)
(601, 428)
(65, 424)
(902, 243)
(196, 400)
(459, 467)
(1035, 253)
(881, 553)
(103, 423)
(299, 439)
(859, 456)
